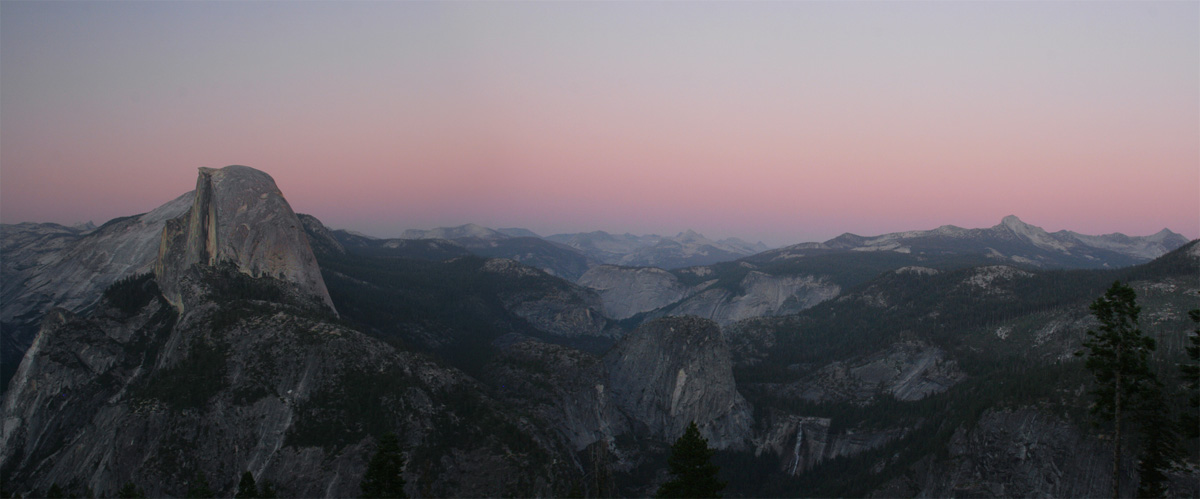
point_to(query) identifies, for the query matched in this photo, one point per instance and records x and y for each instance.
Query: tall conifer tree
(247, 489)
(384, 476)
(692, 472)
(1190, 370)
(1118, 356)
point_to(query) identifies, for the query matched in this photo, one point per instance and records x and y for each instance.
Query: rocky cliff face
(908, 370)
(239, 216)
(804, 442)
(139, 392)
(562, 309)
(674, 371)
(320, 238)
(628, 291)
(565, 387)
(760, 295)
(1016, 453)
(48, 265)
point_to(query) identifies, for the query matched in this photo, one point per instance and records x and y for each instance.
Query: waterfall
(796, 449)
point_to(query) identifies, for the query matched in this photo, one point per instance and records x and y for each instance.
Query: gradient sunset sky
(776, 121)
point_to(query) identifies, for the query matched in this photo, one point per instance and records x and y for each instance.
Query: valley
(224, 333)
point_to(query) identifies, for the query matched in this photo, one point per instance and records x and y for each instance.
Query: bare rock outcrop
(628, 291)
(803, 442)
(49, 265)
(116, 397)
(761, 295)
(1022, 453)
(909, 370)
(551, 305)
(674, 371)
(239, 216)
(562, 386)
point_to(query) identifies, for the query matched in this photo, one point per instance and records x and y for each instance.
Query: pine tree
(1119, 359)
(1160, 440)
(246, 487)
(385, 472)
(1190, 421)
(692, 472)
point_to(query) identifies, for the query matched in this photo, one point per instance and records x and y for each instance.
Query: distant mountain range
(686, 249)
(571, 255)
(223, 333)
(1011, 240)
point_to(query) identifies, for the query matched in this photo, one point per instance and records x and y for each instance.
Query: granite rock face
(240, 217)
(320, 238)
(628, 291)
(907, 370)
(560, 385)
(1022, 453)
(49, 265)
(760, 295)
(674, 371)
(154, 396)
(650, 386)
(803, 442)
(557, 307)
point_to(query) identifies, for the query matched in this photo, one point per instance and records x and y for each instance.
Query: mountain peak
(238, 215)
(1012, 221)
(690, 235)
(1032, 233)
(518, 232)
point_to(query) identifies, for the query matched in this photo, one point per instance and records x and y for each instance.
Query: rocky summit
(918, 364)
(239, 217)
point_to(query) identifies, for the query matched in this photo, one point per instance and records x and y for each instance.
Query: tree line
(1127, 392)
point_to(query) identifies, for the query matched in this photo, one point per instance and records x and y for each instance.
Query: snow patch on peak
(913, 269)
(699, 271)
(985, 277)
(1013, 221)
(1033, 234)
(950, 230)
(505, 266)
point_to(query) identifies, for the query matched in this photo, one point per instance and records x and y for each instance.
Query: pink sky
(776, 121)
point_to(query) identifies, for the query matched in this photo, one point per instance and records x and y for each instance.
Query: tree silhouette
(692, 471)
(1160, 440)
(1190, 421)
(384, 476)
(1118, 358)
(247, 489)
